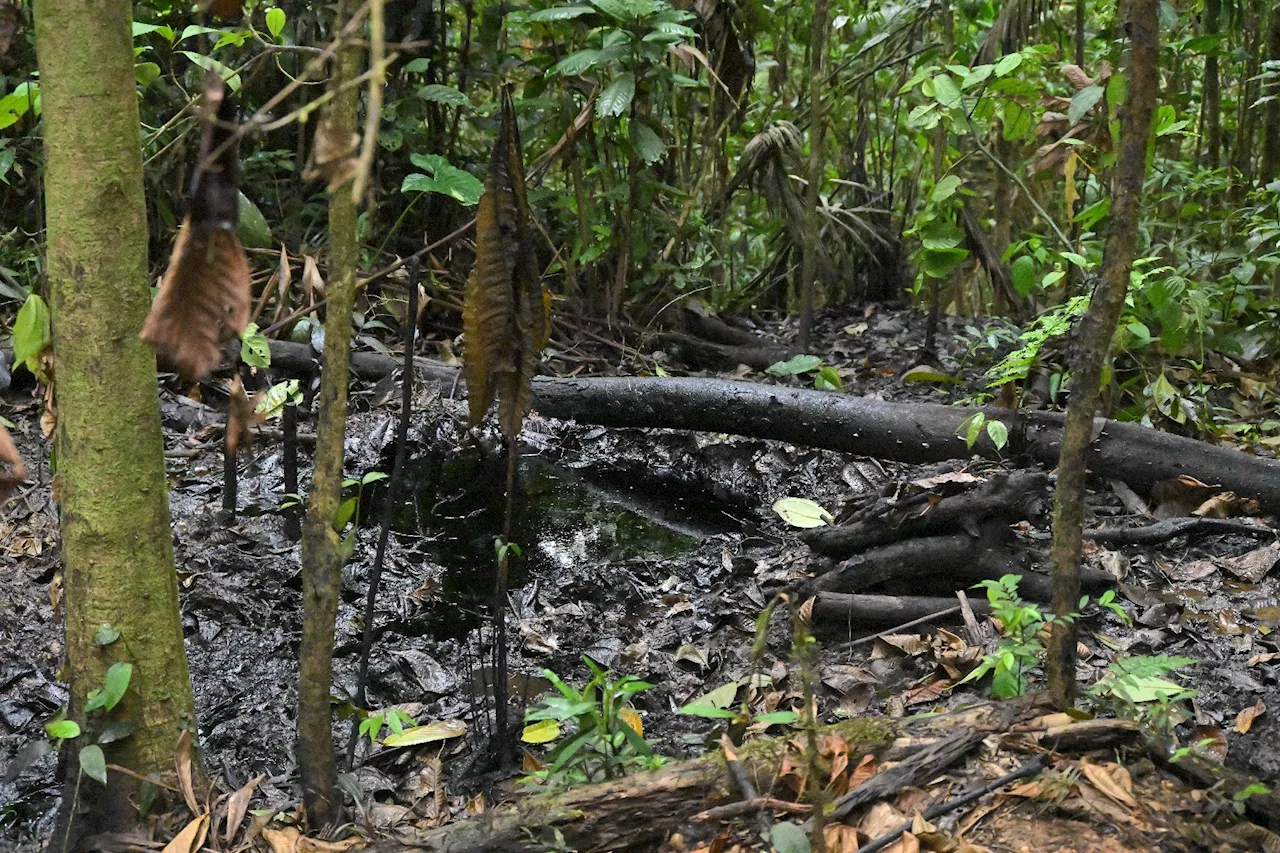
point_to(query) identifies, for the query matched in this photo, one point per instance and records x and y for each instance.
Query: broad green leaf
(197, 30)
(444, 178)
(24, 98)
(939, 263)
(435, 93)
(1079, 260)
(106, 634)
(576, 63)
(1138, 689)
(827, 379)
(1008, 63)
(777, 718)
(275, 21)
(795, 365)
(945, 91)
(63, 729)
(167, 33)
(114, 684)
(273, 402)
(715, 703)
(802, 512)
(543, 731)
(945, 188)
(208, 63)
(1018, 121)
(1084, 101)
(646, 142)
(94, 763)
(998, 433)
(31, 333)
(117, 730)
(255, 351)
(787, 837)
(417, 66)
(431, 732)
(146, 73)
(253, 230)
(558, 13)
(976, 75)
(1024, 275)
(941, 234)
(616, 98)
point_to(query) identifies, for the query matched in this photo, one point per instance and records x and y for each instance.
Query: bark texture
(1094, 342)
(321, 545)
(116, 542)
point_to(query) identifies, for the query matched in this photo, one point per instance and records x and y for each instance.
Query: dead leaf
(191, 837)
(841, 838)
(1245, 719)
(1180, 496)
(204, 297)
(282, 840)
(10, 23)
(9, 456)
(237, 807)
(1254, 565)
(183, 761)
(954, 477)
(910, 644)
(242, 416)
(1264, 657)
(1112, 780)
(504, 315)
(330, 157)
(1222, 505)
(927, 693)
(312, 282)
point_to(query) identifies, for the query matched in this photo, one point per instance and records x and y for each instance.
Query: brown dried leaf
(504, 315)
(312, 282)
(1245, 719)
(183, 761)
(238, 807)
(9, 456)
(1076, 77)
(1112, 780)
(242, 415)
(1254, 565)
(331, 156)
(191, 837)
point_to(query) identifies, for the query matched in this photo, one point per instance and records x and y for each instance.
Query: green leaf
(1008, 63)
(802, 512)
(828, 380)
(998, 433)
(253, 230)
(282, 393)
(373, 477)
(616, 98)
(31, 333)
(777, 718)
(167, 33)
(255, 351)
(114, 684)
(447, 95)
(945, 188)
(93, 763)
(106, 634)
(445, 179)
(146, 73)
(940, 263)
(646, 142)
(794, 365)
(713, 704)
(417, 66)
(576, 63)
(787, 837)
(430, 733)
(1024, 275)
(945, 91)
(1083, 102)
(924, 373)
(558, 13)
(543, 731)
(1079, 260)
(345, 510)
(275, 21)
(1018, 121)
(63, 729)
(117, 730)
(208, 63)
(24, 98)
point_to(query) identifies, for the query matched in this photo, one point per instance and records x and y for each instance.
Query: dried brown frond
(331, 156)
(504, 316)
(242, 416)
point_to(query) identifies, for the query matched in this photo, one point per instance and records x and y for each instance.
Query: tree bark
(1093, 344)
(321, 544)
(1271, 122)
(116, 541)
(817, 168)
(1212, 95)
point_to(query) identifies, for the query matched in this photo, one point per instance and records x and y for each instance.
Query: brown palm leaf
(504, 316)
(204, 296)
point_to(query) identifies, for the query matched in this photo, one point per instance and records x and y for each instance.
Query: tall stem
(817, 167)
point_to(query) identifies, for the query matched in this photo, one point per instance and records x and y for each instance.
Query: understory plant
(598, 734)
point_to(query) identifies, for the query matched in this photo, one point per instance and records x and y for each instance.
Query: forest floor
(653, 552)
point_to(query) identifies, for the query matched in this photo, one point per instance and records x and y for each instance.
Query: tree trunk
(321, 545)
(1093, 344)
(817, 167)
(1271, 132)
(116, 541)
(1212, 96)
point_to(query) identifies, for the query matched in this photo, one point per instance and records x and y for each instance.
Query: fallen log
(905, 432)
(1012, 497)
(874, 611)
(1163, 531)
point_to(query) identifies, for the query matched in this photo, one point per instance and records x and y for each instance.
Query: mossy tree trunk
(116, 540)
(1093, 342)
(817, 169)
(321, 545)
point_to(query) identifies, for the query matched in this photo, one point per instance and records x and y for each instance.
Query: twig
(373, 111)
(746, 807)
(862, 641)
(1031, 768)
(1163, 531)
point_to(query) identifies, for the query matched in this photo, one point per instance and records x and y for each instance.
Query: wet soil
(652, 552)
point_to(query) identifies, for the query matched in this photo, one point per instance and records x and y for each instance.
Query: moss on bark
(116, 538)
